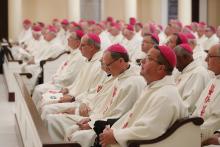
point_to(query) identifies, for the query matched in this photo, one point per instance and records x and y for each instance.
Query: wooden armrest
(19, 61)
(180, 122)
(62, 145)
(28, 75)
(42, 62)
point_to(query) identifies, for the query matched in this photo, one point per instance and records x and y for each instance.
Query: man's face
(73, 42)
(149, 65)
(213, 59)
(172, 41)
(208, 32)
(201, 31)
(36, 36)
(113, 65)
(147, 44)
(128, 34)
(85, 47)
(49, 36)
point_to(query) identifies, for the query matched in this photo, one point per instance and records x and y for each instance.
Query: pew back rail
(32, 129)
(184, 132)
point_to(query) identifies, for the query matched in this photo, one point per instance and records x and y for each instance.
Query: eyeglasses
(109, 64)
(149, 58)
(212, 56)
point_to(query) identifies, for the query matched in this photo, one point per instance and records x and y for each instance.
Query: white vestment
(119, 99)
(88, 78)
(213, 40)
(191, 82)
(64, 76)
(208, 108)
(49, 50)
(158, 107)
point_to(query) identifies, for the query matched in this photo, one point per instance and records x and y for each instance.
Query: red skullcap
(186, 47)
(190, 36)
(182, 37)
(65, 22)
(117, 48)
(52, 29)
(36, 28)
(155, 36)
(132, 21)
(94, 37)
(110, 19)
(168, 54)
(130, 27)
(79, 33)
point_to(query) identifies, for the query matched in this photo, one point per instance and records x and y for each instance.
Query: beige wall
(35, 10)
(114, 8)
(45, 10)
(213, 12)
(149, 10)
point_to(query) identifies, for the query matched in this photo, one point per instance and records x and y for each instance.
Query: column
(185, 11)
(14, 18)
(164, 12)
(74, 10)
(130, 9)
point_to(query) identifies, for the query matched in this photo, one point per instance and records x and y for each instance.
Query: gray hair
(182, 52)
(92, 42)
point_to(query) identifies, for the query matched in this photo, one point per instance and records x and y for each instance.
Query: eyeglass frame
(212, 56)
(109, 64)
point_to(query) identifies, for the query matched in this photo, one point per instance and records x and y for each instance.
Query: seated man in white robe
(176, 39)
(115, 35)
(97, 29)
(126, 86)
(198, 53)
(157, 108)
(201, 35)
(25, 34)
(132, 43)
(25, 51)
(67, 72)
(210, 33)
(193, 77)
(49, 49)
(89, 76)
(207, 106)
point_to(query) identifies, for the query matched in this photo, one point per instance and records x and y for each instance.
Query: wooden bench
(50, 66)
(9, 67)
(184, 132)
(32, 130)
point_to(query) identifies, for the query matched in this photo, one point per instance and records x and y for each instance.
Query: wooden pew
(32, 130)
(184, 132)
(50, 66)
(9, 67)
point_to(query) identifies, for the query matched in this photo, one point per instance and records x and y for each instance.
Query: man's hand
(31, 61)
(212, 140)
(64, 91)
(83, 124)
(66, 99)
(69, 111)
(107, 137)
(84, 110)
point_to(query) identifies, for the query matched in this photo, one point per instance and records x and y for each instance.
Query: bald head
(213, 59)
